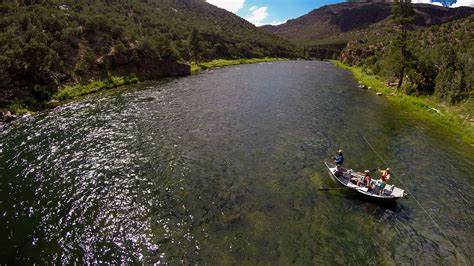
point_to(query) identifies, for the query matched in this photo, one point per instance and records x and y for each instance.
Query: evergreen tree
(196, 45)
(449, 81)
(402, 16)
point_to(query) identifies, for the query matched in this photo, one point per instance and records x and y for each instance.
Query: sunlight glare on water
(225, 166)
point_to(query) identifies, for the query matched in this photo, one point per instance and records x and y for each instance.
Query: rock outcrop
(52, 104)
(353, 53)
(7, 116)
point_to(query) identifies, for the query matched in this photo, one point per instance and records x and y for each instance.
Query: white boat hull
(391, 193)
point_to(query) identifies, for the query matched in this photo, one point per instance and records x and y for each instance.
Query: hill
(329, 28)
(47, 44)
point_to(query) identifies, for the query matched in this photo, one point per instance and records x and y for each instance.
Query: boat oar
(328, 189)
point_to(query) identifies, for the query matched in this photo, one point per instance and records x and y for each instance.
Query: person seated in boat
(339, 159)
(338, 171)
(356, 178)
(366, 178)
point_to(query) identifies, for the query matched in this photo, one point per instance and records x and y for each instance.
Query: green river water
(225, 167)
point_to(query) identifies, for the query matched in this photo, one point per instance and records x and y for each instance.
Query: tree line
(46, 44)
(433, 61)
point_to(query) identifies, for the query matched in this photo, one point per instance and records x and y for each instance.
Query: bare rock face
(150, 68)
(353, 53)
(146, 64)
(155, 69)
(325, 51)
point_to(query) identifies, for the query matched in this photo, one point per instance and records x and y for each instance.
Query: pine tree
(402, 16)
(449, 81)
(196, 46)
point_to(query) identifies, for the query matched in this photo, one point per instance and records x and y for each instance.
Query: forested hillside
(46, 44)
(325, 31)
(438, 60)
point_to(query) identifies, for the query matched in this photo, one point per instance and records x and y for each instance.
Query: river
(226, 167)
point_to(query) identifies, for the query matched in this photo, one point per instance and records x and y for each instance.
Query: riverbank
(224, 62)
(17, 107)
(455, 119)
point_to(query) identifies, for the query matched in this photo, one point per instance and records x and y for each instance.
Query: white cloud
(426, 2)
(229, 5)
(274, 23)
(457, 4)
(259, 14)
(464, 3)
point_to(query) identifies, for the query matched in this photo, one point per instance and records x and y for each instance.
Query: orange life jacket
(385, 176)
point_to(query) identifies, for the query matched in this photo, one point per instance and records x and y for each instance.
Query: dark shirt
(339, 159)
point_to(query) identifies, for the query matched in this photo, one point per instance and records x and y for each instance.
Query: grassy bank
(450, 118)
(223, 62)
(29, 105)
(70, 92)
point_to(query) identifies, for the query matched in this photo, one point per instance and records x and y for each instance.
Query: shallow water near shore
(226, 166)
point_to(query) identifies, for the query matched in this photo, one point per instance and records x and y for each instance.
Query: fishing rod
(413, 196)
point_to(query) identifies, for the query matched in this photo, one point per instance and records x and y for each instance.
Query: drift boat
(348, 179)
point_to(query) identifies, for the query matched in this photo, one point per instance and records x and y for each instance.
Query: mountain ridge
(332, 20)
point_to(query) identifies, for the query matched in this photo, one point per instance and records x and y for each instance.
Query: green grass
(224, 62)
(18, 107)
(70, 92)
(426, 108)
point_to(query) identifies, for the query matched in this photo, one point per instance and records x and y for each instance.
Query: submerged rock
(53, 104)
(7, 116)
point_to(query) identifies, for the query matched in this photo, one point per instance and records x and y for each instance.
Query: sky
(262, 12)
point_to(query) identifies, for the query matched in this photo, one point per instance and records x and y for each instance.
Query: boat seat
(388, 190)
(351, 185)
(397, 192)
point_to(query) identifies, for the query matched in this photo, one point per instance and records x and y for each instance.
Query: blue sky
(261, 12)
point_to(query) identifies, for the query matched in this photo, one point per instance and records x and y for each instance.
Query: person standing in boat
(339, 159)
(384, 180)
(385, 175)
